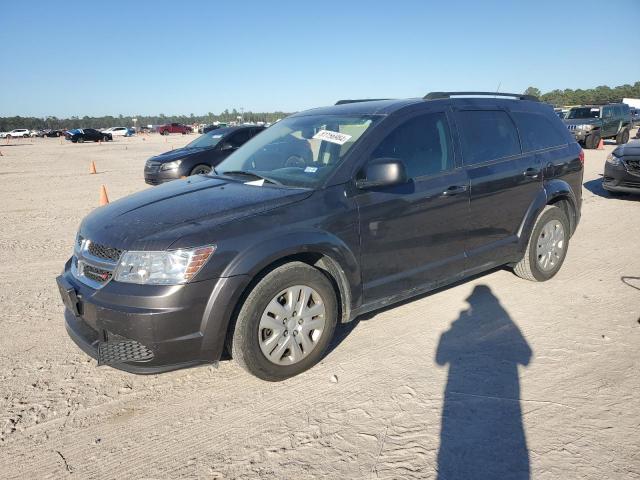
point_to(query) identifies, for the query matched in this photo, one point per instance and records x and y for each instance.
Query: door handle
(454, 190)
(532, 172)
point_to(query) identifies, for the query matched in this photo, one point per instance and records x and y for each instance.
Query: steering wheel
(295, 161)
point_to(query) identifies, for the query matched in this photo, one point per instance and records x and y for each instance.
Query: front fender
(255, 258)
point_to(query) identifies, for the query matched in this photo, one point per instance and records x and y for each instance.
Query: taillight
(581, 156)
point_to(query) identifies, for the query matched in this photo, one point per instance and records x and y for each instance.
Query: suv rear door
(610, 121)
(503, 184)
(413, 235)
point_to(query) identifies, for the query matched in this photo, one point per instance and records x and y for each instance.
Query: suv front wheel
(547, 247)
(286, 323)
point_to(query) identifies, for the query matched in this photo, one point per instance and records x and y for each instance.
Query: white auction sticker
(333, 137)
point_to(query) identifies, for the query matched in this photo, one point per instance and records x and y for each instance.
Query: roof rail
(441, 95)
(343, 102)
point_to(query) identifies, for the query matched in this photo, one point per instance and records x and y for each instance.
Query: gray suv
(590, 124)
(326, 215)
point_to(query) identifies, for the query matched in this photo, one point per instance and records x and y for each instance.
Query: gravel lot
(539, 378)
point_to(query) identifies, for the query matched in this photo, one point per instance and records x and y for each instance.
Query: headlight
(162, 268)
(613, 160)
(171, 165)
(585, 127)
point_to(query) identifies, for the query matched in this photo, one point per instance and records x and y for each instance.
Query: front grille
(151, 166)
(96, 274)
(633, 166)
(102, 251)
(120, 351)
(79, 240)
(571, 127)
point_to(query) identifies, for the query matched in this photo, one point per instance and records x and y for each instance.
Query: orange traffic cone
(601, 144)
(104, 199)
(92, 168)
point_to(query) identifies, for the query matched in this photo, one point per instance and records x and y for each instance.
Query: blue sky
(181, 57)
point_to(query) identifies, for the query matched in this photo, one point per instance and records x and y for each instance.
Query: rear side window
(422, 143)
(537, 132)
(487, 135)
(238, 138)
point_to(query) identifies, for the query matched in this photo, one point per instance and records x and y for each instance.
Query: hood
(175, 154)
(157, 217)
(581, 121)
(630, 151)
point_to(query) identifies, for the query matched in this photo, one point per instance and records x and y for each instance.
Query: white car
(17, 133)
(117, 131)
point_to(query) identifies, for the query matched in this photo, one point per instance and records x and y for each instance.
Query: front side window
(422, 143)
(537, 132)
(487, 135)
(300, 151)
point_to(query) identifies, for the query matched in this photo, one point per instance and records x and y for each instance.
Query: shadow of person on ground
(482, 435)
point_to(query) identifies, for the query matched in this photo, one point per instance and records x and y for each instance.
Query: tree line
(597, 96)
(36, 123)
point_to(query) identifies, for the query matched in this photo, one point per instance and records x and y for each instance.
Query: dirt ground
(528, 380)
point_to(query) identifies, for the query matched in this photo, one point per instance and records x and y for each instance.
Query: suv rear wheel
(622, 137)
(547, 247)
(286, 323)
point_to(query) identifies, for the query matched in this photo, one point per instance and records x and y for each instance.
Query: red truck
(174, 128)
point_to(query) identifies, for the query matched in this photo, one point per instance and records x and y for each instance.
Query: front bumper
(618, 179)
(157, 176)
(150, 329)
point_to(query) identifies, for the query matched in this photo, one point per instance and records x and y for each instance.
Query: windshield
(300, 151)
(584, 112)
(210, 139)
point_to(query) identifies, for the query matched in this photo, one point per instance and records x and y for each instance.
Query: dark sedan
(53, 133)
(80, 135)
(622, 169)
(199, 156)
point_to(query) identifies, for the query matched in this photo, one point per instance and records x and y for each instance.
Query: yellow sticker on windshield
(333, 137)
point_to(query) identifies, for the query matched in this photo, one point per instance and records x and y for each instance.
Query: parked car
(16, 133)
(589, 124)
(197, 157)
(622, 169)
(37, 133)
(54, 133)
(118, 131)
(326, 215)
(174, 128)
(80, 135)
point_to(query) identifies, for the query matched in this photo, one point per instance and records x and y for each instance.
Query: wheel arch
(555, 192)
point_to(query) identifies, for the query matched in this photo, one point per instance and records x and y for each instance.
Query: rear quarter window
(537, 132)
(487, 135)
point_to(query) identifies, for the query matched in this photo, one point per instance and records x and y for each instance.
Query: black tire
(25, 136)
(592, 141)
(80, 140)
(105, 139)
(622, 137)
(200, 170)
(165, 132)
(529, 268)
(245, 347)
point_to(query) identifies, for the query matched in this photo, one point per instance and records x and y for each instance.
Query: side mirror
(226, 146)
(382, 172)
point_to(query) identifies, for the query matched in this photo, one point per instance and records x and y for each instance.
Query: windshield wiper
(250, 174)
